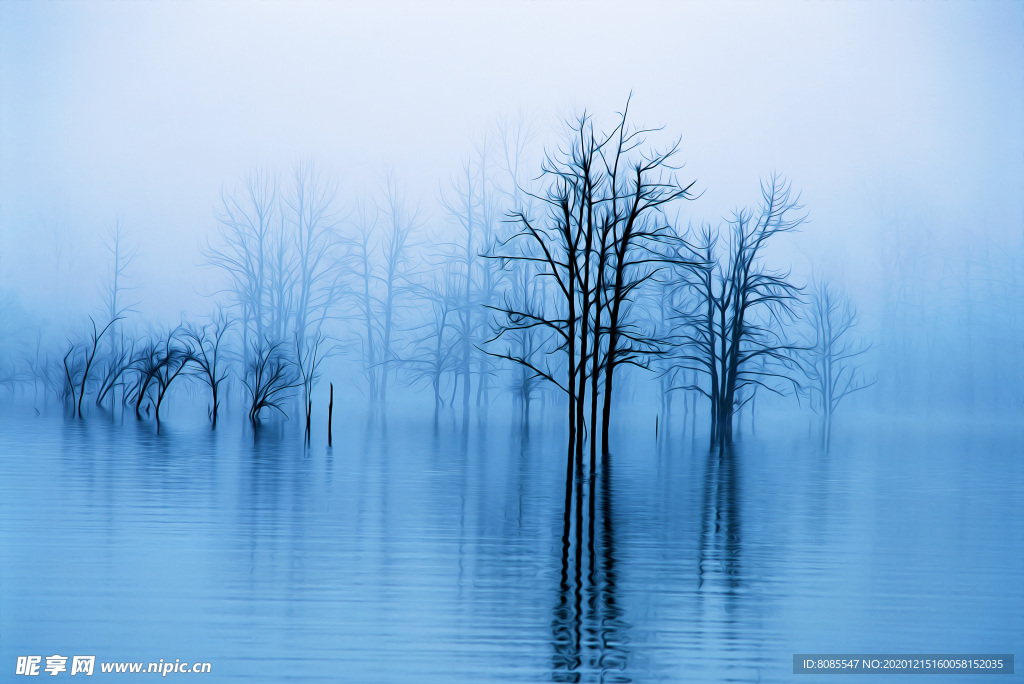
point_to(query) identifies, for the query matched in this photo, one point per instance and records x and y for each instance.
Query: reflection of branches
(589, 636)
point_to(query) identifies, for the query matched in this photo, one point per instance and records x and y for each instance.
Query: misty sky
(144, 112)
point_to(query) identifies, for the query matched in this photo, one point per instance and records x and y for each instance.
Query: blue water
(415, 553)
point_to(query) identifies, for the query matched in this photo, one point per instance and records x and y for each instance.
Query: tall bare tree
(119, 351)
(471, 203)
(365, 305)
(602, 238)
(400, 221)
(309, 356)
(517, 280)
(249, 219)
(313, 219)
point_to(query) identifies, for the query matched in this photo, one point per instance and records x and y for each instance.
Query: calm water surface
(413, 554)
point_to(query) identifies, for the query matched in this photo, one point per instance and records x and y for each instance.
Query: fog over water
(146, 112)
(511, 341)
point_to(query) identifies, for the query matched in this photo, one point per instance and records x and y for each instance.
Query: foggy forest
(588, 330)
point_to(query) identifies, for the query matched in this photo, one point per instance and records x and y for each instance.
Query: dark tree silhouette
(70, 373)
(603, 237)
(638, 241)
(733, 326)
(116, 366)
(269, 379)
(203, 344)
(78, 362)
(172, 357)
(145, 365)
(155, 366)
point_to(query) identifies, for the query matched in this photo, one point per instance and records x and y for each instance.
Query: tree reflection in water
(589, 634)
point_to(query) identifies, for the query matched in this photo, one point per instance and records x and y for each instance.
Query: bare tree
(638, 242)
(157, 363)
(269, 379)
(79, 361)
(831, 353)
(71, 371)
(250, 224)
(437, 349)
(602, 240)
(172, 359)
(309, 354)
(36, 360)
(313, 218)
(366, 303)
(122, 255)
(518, 279)
(733, 327)
(203, 344)
(471, 203)
(285, 265)
(379, 258)
(395, 272)
(146, 364)
(664, 299)
(117, 364)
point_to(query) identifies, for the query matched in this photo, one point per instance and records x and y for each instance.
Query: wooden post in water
(330, 416)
